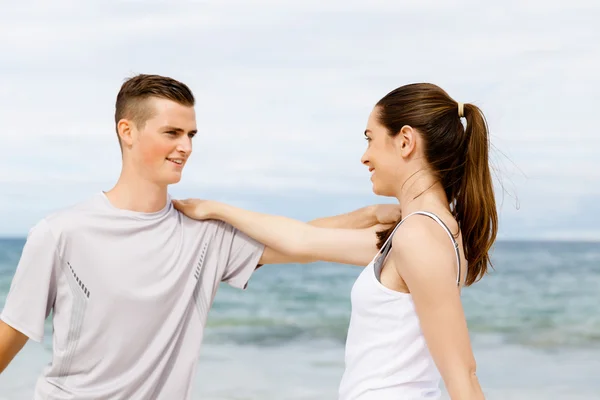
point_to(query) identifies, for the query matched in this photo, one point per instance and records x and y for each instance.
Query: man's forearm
(358, 219)
(11, 343)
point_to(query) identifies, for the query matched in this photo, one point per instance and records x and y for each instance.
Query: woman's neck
(421, 191)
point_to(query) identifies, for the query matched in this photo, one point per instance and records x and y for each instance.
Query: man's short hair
(132, 98)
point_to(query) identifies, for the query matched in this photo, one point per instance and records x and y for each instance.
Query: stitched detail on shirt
(79, 281)
(200, 261)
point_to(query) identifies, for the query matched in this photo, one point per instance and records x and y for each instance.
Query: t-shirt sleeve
(239, 255)
(33, 288)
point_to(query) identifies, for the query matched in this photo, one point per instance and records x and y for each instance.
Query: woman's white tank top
(386, 354)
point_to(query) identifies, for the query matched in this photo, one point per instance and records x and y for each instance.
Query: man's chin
(172, 180)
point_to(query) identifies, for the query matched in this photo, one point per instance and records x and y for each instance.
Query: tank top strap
(387, 246)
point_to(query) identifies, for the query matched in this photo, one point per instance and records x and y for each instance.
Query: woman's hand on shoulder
(197, 208)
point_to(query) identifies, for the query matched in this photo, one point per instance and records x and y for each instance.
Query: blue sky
(284, 91)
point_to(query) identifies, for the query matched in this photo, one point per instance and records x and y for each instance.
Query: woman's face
(383, 157)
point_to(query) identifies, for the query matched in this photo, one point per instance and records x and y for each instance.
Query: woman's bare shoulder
(421, 245)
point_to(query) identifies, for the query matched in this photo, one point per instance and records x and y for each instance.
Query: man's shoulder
(205, 225)
(69, 217)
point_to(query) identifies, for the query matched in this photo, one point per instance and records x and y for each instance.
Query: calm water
(534, 322)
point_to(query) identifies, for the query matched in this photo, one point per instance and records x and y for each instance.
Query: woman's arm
(289, 240)
(426, 261)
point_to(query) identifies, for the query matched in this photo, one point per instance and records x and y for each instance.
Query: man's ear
(125, 130)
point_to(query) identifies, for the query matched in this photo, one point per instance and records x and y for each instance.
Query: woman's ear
(408, 141)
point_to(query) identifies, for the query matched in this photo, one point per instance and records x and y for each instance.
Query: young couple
(130, 274)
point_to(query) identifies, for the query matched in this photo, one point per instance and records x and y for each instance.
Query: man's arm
(372, 218)
(11, 342)
(362, 218)
(359, 238)
(31, 295)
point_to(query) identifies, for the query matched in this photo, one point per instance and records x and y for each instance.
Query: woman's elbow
(465, 385)
(294, 249)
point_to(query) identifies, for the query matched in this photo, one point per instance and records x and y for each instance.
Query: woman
(407, 325)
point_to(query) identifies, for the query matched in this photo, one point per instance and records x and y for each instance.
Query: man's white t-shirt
(129, 294)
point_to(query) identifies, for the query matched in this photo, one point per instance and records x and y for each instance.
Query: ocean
(534, 323)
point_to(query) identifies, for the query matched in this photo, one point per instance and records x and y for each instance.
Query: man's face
(160, 148)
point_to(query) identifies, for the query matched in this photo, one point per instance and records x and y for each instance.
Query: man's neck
(137, 195)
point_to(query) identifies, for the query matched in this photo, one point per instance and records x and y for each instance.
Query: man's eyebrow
(172, 128)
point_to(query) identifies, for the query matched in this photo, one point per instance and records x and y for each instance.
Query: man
(130, 279)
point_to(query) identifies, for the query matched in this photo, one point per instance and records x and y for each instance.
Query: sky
(284, 90)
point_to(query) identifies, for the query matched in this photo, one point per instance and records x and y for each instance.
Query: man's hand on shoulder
(362, 218)
(387, 214)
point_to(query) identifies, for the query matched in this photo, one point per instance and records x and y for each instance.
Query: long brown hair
(458, 156)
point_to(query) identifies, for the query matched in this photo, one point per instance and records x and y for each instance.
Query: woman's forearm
(283, 234)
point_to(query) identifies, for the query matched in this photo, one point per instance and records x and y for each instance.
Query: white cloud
(284, 89)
